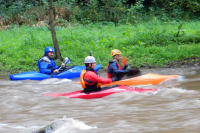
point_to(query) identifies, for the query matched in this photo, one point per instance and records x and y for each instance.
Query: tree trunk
(53, 33)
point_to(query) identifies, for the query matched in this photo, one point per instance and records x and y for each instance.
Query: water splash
(65, 125)
(54, 81)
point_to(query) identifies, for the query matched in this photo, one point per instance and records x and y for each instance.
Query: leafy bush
(70, 12)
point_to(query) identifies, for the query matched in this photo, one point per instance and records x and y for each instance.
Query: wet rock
(46, 129)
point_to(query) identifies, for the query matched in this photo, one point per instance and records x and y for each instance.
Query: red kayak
(99, 94)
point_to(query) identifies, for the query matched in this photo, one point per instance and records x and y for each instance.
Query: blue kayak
(69, 73)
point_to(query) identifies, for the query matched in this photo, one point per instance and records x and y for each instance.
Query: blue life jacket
(46, 65)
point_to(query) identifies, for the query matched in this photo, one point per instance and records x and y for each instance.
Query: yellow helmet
(115, 52)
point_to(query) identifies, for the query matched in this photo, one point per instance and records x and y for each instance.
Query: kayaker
(90, 81)
(46, 63)
(114, 70)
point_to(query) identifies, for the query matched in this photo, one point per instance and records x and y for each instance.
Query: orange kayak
(146, 79)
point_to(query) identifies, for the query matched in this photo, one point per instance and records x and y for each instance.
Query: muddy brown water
(175, 108)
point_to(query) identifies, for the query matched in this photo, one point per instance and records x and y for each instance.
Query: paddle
(133, 72)
(124, 61)
(66, 61)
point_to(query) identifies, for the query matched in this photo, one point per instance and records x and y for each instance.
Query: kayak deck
(101, 94)
(146, 79)
(69, 73)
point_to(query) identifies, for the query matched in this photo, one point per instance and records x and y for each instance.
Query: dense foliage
(87, 11)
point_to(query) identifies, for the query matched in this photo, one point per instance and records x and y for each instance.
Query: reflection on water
(174, 109)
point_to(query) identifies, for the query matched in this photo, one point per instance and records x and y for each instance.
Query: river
(174, 109)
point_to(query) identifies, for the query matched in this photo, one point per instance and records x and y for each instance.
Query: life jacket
(48, 64)
(109, 75)
(83, 80)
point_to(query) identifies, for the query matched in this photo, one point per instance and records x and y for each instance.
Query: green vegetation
(71, 12)
(151, 33)
(148, 43)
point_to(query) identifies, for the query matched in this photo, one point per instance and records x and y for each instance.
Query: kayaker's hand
(133, 72)
(55, 71)
(62, 65)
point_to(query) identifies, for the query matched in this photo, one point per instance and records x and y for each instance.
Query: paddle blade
(124, 61)
(67, 60)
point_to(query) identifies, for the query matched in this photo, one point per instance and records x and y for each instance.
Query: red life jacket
(83, 81)
(109, 75)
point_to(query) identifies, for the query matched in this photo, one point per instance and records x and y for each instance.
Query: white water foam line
(54, 81)
(170, 80)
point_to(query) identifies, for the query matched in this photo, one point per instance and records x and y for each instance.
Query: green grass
(152, 44)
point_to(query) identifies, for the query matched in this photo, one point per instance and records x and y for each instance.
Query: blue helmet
(48, 49)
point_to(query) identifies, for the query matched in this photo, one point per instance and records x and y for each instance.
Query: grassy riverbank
(145, 44)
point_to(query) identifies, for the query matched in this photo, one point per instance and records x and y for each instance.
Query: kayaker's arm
(54, 68)
(113, 69)
(54, 65)
(115, 72)
(97, 79)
